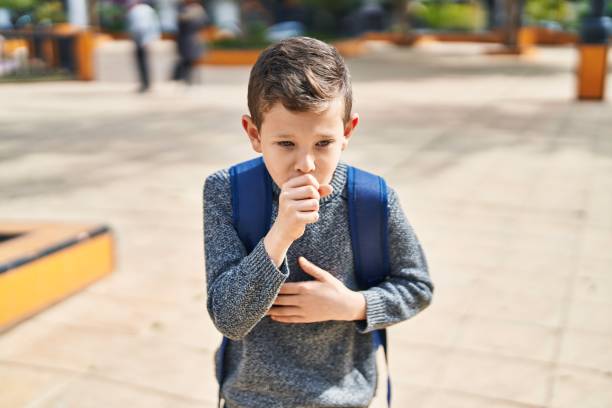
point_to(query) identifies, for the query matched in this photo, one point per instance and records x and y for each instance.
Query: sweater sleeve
(408, 289)
(241, 287)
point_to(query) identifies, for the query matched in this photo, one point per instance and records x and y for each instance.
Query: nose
(305, 163)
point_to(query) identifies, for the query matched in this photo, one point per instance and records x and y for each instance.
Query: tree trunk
(399, 17)
(513, 21)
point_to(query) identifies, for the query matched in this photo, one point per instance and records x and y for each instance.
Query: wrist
(278, 238)
(276, 246)
(359, 306)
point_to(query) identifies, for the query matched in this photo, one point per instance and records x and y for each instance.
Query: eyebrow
(290, 136)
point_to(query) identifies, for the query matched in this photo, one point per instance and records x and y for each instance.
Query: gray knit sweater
(326, 364)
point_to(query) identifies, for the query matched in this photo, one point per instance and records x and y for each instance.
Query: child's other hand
(298, 205)
(325, 298)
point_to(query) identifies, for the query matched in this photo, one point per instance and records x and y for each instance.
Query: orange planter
(592, 69)
(528, 37)
(230, 57)
(84, 47)
(348, 48)
(552, 37)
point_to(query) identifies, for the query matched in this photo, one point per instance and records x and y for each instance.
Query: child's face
(297, 143)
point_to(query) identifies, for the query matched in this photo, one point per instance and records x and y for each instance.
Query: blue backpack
(251, 186)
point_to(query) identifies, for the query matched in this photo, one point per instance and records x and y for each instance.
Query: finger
(306, 205)
(302, 192)
(308, 217)
(287, 300)
(325, 190)
(289, 319)
(291, 288)
(284, 311)
(312, 269)
(302, 180)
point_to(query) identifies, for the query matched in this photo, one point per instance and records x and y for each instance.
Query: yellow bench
(41, 264)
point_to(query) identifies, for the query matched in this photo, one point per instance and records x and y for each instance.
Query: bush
(112, 16)
(50, 12)
(560, 12)
(19, 6)
(254, 37)
(42, 11)
(438, 15)
(329, 18)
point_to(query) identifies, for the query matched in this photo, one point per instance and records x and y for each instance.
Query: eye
(285, 144)
(325, 143)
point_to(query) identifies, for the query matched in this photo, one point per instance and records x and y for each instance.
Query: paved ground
(506, 179)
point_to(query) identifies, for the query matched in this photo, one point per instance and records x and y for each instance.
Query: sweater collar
(338, 182)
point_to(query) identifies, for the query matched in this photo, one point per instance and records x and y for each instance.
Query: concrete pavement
(505, 178)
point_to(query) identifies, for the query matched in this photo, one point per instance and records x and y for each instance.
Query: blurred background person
(192, 17)
(144, 27)
(5, 19)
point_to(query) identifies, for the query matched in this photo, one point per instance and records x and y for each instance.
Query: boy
(300, 332)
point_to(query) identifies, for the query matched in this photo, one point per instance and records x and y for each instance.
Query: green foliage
(256, 31)
(326, 16)
(326, 36)
(568, 14)
(42, 11)
(441, 15)
(50, 12)
(239, 43)
(254, 37)
(558, 11)
(19, 6)
(112, 16)
(335, 7)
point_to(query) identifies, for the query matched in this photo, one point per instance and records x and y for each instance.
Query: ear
(349, 128)
(251, 130)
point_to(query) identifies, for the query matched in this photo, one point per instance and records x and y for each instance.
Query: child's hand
(298, 205)
(325, 298)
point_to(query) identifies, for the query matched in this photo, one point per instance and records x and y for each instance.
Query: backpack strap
(251, 215)
(368, 215)
(251, 201)
(368, 221)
